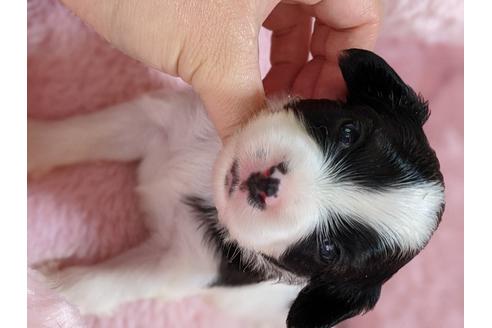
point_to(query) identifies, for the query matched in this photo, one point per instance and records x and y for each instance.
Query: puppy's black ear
(371, 81)
(323, 305)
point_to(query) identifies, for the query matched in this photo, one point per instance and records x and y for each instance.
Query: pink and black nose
(262, 185)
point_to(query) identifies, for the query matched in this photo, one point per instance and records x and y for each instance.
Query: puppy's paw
(82, 288)
(234, 303)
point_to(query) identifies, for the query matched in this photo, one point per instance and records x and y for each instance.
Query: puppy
(310, 207)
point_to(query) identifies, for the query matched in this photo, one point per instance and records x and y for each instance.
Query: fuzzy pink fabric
(88, 213)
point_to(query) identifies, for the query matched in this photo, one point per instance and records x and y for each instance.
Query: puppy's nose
(263, 185)
(260, 187)
(259, 184)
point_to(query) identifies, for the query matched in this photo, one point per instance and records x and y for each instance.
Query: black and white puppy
(310, 207)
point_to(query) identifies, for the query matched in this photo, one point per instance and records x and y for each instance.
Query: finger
(233, 108)
(329, 81)
(233, 93)
(307, 78)
(291, 30)
(349, 24)
(340, 25)
(229, 83)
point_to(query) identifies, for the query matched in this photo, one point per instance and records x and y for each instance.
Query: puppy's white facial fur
(269, 139)
(310, 195)
(404, 215)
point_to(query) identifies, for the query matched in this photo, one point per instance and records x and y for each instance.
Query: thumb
(229, 83)
(233, 98)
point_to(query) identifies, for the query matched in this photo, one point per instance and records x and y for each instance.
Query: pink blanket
(87, 213)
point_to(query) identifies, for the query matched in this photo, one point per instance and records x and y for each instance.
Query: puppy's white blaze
(277, 136)
(403, 215)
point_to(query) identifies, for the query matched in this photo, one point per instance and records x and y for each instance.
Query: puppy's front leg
(101, 288)
(118, 133)
(154, 269)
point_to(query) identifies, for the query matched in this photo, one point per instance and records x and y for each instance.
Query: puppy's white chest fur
(177, 162)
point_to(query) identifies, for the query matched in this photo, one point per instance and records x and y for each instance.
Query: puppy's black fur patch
(389, 149)
(232, 271)
(345, 284)
(392, 147)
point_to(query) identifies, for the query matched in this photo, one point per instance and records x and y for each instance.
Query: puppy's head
(342, 194)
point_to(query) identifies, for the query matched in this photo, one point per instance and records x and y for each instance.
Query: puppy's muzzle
(262, 185)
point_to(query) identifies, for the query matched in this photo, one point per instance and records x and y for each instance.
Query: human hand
(213, 45)
(338, 25)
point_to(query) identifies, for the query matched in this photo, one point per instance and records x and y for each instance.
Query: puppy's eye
(349, 133)
(329, 251)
